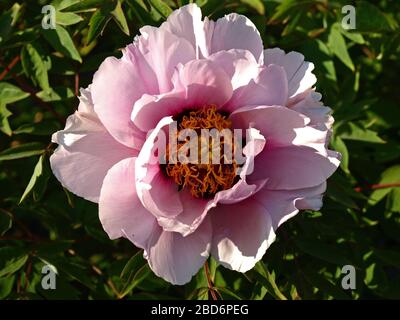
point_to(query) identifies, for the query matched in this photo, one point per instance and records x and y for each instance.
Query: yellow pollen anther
(204, 180)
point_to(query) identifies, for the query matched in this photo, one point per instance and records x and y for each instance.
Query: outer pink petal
(283, 205)
(235, 31)
(120, 210)
(116, 86)
(241, 234)
(284, 127)
(86, 152)
(176, 258)
(299, 72)
(269, 88)
(196, 84)
(309, 104)
(186, 23)
(294, 167)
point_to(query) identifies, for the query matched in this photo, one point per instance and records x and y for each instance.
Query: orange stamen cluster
(204, 180)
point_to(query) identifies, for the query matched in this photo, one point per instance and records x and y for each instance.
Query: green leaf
(317, 51)
(257, 5)
(393, 200)
(287, 8)
(134, 272)
(67, 18)
(371, 19)
(337, 45)
(38, 182)
(11, 260)
(353, 36)
(72, 267)
(4, 115)
(323, 251)
(61, 41)
(8, 20)
(6, 286)
(389, 257)
(230, 293)
(22, 151)
(355, 131)
(81, 5)
(133, 265)
(63, 4)
(56, 94)
(268, 281)
(34, 66)
(119, 18)
(10, 93)
(161, 7)
(326, 286)
(341, 191)
(43, 128)
(97, 23)
(5, 222)
(338, 145)
(389, 176)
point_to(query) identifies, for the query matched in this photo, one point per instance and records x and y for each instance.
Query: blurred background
(41, 71)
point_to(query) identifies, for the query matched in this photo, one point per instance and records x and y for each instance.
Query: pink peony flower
(201, 74)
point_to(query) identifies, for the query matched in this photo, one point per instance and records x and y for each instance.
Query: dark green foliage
(40, 222)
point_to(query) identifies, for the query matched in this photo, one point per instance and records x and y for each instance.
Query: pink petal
(163, 51)
(176, 258)
(186, 23)
(298, 72)
(283, 205)
(86, 152)
(158, 194)
(204, 83)
(120, 210)
(269, 88)
(278, 124)
(240, 66)
(309, 104)
(116, 86)
(241, 234)
(294, 167)
(196, 84)
(235, 31)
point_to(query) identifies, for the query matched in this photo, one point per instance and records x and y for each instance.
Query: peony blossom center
(212, 170)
